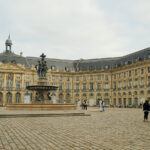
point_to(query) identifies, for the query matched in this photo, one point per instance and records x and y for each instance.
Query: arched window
(53, 98)
(17, 97)
(60, 98)
(1, 96)
(9, 98)
(68, 98)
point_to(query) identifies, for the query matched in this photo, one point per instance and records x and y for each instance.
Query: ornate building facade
(123, 81)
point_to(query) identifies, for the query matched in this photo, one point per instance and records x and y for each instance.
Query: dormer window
(106, 67)
(77, 69)
(66, 69)
(53, 67)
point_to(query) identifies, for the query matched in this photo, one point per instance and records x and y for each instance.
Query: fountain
(42, 99)
(42, 88)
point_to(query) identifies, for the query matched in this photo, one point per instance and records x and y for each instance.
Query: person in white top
(78, 104)
(101, 105)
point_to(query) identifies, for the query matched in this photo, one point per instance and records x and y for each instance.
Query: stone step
(42, 115)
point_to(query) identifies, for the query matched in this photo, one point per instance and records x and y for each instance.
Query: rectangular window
(67, 86)
(77, 86)
(142, 71)
(106, 86)
(60, 78)
(77, 78)
(91, 86)
(84, 86)
(18, 85)
(1, 75)
(136, 82)
(9, 83)
(114, 85)
(84, 78)
(124, 83)
(27, 84)
(130, 73)
(18, 76)
(148, 70)
(135, 72)
(67, 79)
(120, 85)
(148, 92)
(148, 80)
(106, 77)
(98, 86)
(91, 77)
(27, 76)
(142, 81)
(98, 77)
(124, 74)
(1, 83)
(53, 78)
(60, 86)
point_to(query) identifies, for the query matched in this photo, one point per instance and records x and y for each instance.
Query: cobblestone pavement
(114, 129)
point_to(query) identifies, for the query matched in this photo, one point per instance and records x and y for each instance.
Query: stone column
(14, 86)
(5, 81)
(22, 97)
(13, 97)
(4, 98)
(22, 82)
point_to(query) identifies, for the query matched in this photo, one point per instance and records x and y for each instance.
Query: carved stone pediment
(11, 67)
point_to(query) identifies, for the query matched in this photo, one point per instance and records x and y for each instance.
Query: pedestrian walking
(100, 105)
(85, 104)
(146, 109)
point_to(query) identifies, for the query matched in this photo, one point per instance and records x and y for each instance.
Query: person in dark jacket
(146, 109)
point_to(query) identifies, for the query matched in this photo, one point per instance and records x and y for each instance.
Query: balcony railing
(77, 90)
(141, 86)
(135, 86)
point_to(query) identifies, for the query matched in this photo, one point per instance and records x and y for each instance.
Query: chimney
(21, 53)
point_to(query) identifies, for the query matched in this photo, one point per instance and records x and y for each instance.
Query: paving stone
(114, 129)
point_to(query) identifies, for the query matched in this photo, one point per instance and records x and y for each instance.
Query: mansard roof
(8, 56)
(54, 64)
(81, 64)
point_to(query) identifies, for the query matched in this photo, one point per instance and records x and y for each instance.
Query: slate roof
(84, 64)
(10, 57)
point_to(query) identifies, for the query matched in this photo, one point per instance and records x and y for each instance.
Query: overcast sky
(73, 29)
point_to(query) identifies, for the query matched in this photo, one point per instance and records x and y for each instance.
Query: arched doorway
(18, 97)
(136, 102)
(53, 98)
(91, 99)
(27, 98)
(60, 98)
(9, 98)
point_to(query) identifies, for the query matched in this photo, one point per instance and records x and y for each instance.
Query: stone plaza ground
(114, 129)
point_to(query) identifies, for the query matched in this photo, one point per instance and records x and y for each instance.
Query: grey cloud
(73, 29)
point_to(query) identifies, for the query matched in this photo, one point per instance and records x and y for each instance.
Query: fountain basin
(42, 88)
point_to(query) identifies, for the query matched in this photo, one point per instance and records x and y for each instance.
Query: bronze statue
(42, 66)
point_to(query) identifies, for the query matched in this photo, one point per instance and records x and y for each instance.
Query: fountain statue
(42, 88)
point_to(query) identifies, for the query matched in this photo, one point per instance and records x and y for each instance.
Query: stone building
(121, 81)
